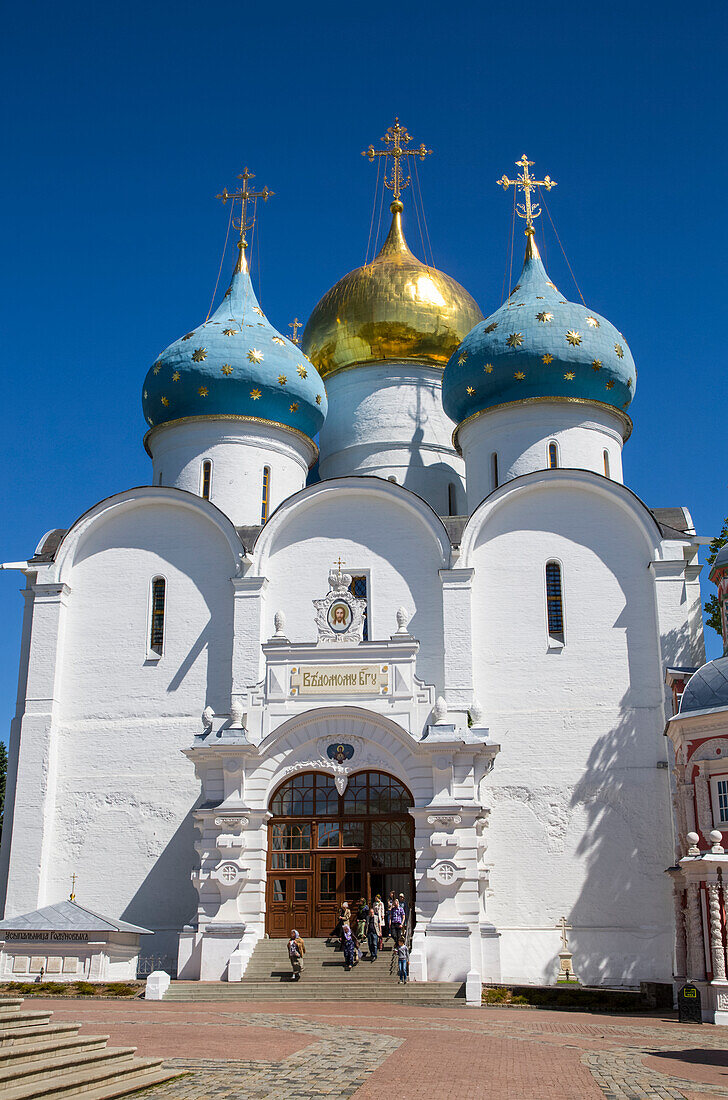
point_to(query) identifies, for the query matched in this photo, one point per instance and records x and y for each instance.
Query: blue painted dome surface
(538, 345)
(707, 689)
(236, 364)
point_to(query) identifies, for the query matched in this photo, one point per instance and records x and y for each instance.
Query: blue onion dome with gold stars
(538, 346)
(236, 364)
(394, 308)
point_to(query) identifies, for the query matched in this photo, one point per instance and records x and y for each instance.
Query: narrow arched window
(265, 499)
(554, 600)
(206, 479)
(606, 463)
(156, 632)
(494, 467)
(452, 500)
(553, 456)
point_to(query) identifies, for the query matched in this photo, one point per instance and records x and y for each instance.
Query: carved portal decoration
(702, 800)
(717, 953)
(444, 819)
(445, 872)
(339, 615)
(710, 750)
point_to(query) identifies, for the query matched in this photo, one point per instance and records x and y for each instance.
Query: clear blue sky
(122, 122)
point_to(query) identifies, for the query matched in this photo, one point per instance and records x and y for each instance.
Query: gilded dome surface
(396, 307)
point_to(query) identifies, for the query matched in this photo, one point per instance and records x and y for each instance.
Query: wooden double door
(353, 845)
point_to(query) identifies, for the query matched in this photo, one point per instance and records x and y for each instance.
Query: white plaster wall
(373, 531)
(238, 450)
(580, 822)
(520, 436)
(387, 420)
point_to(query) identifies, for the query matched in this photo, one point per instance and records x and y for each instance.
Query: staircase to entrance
(268, 977)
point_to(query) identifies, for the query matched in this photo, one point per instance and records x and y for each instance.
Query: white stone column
(681, 960)
(702, 799)
(717, 952)
(35, 788)
(248, 604)
(696, 948)
(457, 585)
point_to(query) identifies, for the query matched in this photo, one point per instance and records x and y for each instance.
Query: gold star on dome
(203, 391)
(146, 394)
(629, 381)
(318, 398)
(228, 292)
(547, 358)
(176, 376)
(255, 356)
(470, 390)
(302, 370)
(551, 285)
(490, 328)
(282, 379)
(188, 336)
(545, 317)
(610, 383)
(574, 338)
(570, 376)
(539, 298)
(293, 406)
(229, 331)
(199, 354)
(619, 350)
(255, 394)
(226, 368)
(596, 364)
(165, 401)
(258, 310)
(279, 340)
(488, 368)
(519, 375)
(462, 358)
(515, 340)
(593, 322)
(157, 367)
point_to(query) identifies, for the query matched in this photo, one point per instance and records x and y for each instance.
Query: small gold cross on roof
(72, 895)
(295, 325)
(339, 563)
(244, 195)
(527, 184)
(396, 139)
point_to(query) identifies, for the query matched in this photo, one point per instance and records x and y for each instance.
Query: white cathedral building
(385, 618)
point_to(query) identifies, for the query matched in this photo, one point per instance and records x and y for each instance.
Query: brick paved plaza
(258, 1051)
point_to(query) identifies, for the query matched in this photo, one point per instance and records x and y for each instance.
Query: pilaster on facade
(457, 591)
(248, 611)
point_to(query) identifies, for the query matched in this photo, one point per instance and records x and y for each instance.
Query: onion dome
(236, 365)
(707, 689)
(393, 308)
(537, 346)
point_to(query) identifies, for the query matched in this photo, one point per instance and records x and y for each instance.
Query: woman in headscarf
(349, 946)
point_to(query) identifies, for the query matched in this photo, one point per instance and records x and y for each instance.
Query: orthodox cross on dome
(295, 325)
(527, 184)
(244, 195)
(396, 139)
(72, 895)
(564, 928)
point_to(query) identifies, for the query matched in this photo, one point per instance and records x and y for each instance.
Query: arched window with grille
(156, 629)
(553, 456)
(554, 601)
(494, 468)
(206, 479)
(606, 464)
(265, 497)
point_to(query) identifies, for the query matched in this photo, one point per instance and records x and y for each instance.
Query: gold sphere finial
(396, 207)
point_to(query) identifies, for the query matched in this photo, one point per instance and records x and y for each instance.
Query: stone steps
(430, 993)
(39, 1059)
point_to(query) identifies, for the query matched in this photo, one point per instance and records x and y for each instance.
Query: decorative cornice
(625, 420)
(236, 417)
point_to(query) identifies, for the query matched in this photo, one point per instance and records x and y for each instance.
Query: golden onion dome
(393, 308)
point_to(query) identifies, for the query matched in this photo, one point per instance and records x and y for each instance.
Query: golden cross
(527, 184)
(244, 195)
(72, 895)
(339, 563)
(564, 927)
(295, 325)
(396, 138)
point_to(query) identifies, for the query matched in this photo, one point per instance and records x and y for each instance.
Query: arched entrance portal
(324, 847)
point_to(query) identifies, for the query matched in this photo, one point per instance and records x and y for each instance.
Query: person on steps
(296, 951)
(396, 921)
(349, 946)
(402, 962)
(373, 929)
